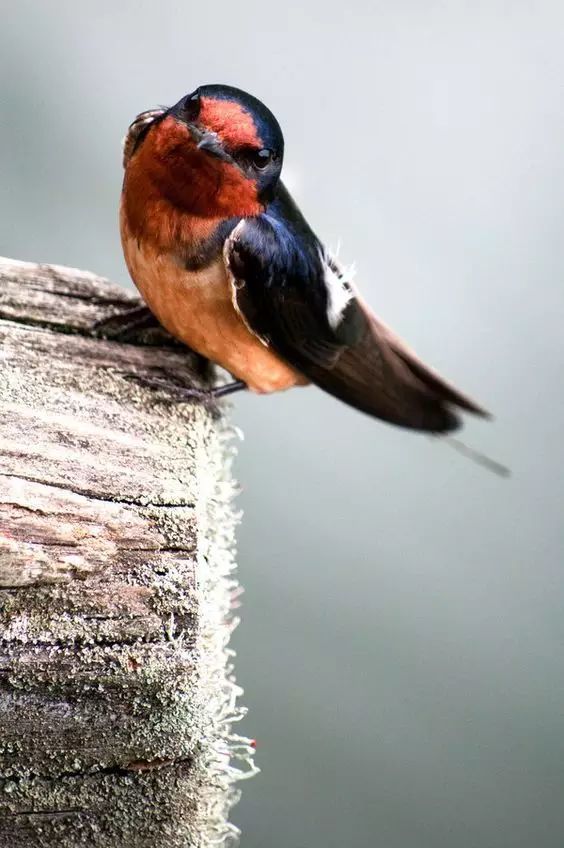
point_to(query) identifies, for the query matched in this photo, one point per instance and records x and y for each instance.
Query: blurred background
(402, 637)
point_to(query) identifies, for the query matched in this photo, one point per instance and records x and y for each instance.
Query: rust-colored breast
(197, 308)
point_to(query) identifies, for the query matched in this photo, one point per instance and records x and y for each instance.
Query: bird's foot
(189, 394)
(126, 325)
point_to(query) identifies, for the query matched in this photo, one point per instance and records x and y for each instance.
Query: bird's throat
(175, 194)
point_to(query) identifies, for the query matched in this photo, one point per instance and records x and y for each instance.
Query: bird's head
(218, 151)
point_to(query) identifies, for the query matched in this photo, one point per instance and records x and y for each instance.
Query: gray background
(401, 645)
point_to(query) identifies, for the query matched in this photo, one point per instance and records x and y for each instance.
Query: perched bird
(228, 264)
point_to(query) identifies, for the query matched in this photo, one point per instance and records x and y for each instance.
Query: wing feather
(280, 277)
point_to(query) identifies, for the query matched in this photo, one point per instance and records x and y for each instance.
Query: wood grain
(116, 580)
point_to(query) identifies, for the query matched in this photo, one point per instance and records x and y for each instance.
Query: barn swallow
(227, 263)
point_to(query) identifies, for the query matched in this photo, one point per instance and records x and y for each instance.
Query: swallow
(227, 263)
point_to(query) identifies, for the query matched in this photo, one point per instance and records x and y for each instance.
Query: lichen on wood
(116, 581)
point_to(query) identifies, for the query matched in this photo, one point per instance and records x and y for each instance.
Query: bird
(227, 263)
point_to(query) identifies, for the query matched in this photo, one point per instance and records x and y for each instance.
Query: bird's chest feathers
(197, 307)
(187, 302)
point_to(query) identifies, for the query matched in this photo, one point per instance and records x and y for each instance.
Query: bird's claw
(126, 325)
(188, 394)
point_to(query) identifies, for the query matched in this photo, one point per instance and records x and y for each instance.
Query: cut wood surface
(116, 580)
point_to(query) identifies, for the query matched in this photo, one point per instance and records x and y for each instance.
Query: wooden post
(116, 581)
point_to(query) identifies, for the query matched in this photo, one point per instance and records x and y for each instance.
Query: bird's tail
(383, 377)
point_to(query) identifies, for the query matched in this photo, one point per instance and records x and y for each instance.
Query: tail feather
(381, 376)
(425, 373)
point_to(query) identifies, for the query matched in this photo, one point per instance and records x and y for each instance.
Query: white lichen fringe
(217, 590)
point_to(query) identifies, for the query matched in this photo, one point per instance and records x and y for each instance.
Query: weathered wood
(116, 584)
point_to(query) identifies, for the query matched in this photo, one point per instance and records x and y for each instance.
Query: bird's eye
(192, 106)
(262, 158)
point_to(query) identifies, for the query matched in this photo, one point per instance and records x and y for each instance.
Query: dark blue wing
(279, 269)
(293, 295)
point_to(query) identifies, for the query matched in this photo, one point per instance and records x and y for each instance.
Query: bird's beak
(209, 142)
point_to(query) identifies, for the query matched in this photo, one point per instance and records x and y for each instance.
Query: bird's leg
(229, 388)
(183, 394)
(120, 326)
